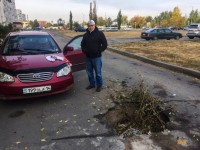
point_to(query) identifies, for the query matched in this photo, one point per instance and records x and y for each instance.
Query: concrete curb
(134, 37)
(174, 68)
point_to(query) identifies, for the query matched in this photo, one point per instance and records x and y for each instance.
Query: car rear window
(30, 44)
(193, 26)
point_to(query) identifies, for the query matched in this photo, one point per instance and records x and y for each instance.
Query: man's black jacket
(93, 43)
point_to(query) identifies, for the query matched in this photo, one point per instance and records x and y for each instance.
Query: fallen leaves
(42, 129)
(61, 121)
(106, 105)
(59, 131)
(43, 140)
(18, 143)
(74, 115)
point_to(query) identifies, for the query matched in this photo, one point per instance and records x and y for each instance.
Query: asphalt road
(73, 120)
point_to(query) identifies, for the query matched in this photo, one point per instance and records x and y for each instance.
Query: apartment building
(20, 16)
(7, 12)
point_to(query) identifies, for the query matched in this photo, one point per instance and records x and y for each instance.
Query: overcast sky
(49, 10)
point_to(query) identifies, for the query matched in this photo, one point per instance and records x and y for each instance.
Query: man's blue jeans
(92, 65)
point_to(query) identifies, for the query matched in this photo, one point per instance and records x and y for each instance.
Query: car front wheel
(155, 38)
(177, 37)
(147, 39)
(191, 37)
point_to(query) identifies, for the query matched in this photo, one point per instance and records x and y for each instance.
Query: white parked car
(101, 29)
(127, 29)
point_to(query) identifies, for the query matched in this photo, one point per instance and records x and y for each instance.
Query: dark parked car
(173, 28)
(160, 33)
(79, 29)
(37, 29)
(33, 65)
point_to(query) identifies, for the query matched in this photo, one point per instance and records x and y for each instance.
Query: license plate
(37, 89)
(143, 34)
(191, 31)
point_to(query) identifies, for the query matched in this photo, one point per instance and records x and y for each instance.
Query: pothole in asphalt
(124, 119)
(16, 114)
(136, 112)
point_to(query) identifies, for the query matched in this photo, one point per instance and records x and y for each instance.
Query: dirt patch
(184, 54)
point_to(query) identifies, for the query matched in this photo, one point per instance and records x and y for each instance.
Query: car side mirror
(68, 48)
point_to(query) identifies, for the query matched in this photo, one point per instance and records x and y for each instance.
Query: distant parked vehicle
(101, 29)
(111, 29)
(193, 31)
(146, 28)
(79, 29)
(37, 29)
(127, 29)
(160, 33)
(107, 28)
(173, 28)
(185, 28)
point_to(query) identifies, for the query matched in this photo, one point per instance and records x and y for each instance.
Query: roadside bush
(4, 30)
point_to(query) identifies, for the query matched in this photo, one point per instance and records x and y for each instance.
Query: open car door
(73, 52)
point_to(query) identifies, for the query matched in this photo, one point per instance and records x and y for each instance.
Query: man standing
(93, 44)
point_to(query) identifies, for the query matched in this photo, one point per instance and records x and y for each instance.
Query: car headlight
(6, 78)
(64, 71)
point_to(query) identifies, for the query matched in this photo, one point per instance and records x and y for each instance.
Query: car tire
(155, 38)
(191, 37)
(177, 37)
(168, 39)
(147, 39)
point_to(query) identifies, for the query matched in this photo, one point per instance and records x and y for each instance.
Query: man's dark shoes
(90, 87)
(99, 88)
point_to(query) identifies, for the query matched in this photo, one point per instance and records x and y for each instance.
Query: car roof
(28, 33)
(159, 28)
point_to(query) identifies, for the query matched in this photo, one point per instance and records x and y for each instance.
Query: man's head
(91, 25)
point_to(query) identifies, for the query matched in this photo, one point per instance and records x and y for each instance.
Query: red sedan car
(32, 65)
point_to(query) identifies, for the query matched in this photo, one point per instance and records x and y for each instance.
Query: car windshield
(150, 30)
(193, 26)
(30, 44)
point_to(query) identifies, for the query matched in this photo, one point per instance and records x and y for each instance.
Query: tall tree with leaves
(138, 21)
(100, 21)
(194, 16)
(70, 21)
(35, 23)
(108, 21)
(76, 24)
(176, 19)
(148, 19)
(94, 15)
(119, 19)
(124, 20)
